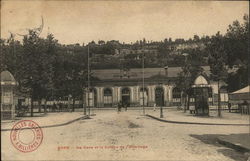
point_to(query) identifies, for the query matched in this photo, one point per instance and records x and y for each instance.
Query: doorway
(126, 96)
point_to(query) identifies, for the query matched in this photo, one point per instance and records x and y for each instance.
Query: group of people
(121, 105)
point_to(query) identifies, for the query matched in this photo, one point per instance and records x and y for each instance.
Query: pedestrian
(126, 107)
(54, 107)
(229, 106)
(154, 106)
(245, 107)
(119, 106)
(60, 106)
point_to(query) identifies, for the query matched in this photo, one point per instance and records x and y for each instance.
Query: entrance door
(107, 97)
(201, 101)
(145, 95)
(159, 96)
(126, 96)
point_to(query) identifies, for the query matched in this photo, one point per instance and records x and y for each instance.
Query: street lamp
(88, 88)
(161, 96)
(143, 85)
(185, 88)
(85, 105)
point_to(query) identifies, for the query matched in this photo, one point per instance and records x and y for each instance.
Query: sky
(127, 21)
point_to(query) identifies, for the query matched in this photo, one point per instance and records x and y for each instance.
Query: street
(109, 135)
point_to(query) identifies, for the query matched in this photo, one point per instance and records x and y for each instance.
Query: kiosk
(7, 96)
(201, 88)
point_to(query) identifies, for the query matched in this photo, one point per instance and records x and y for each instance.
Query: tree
(237, 49)
(190, 70)
(35, 68)
(11, 50)
(144, 41)
(217, 62)
(196, 38)
(101, 42)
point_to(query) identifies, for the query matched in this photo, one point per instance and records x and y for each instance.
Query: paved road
(127, 136)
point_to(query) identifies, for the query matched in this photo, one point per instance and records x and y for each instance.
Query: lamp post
(143, 85)
(161, 108)
(84, 105)
(185, 88)
(88, 88)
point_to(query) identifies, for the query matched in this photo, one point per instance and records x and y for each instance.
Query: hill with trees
(47, 69)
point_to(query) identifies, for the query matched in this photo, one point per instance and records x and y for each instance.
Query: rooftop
(136, 73)
(6, 76)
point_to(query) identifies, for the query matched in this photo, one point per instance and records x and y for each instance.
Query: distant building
(138, 51)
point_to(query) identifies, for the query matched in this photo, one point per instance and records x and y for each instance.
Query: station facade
(159, 89)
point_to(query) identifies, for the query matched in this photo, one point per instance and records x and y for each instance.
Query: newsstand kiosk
(201, 88)
(7, 96)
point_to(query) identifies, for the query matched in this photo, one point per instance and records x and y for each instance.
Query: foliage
(46, 69)
(237, 49)
(228, 53)
(217, 58)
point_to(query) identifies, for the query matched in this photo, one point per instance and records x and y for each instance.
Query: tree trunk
(182, 100)
(73, 107)
(219, 107)
(45, 106)
(185, 102)
(68, 103)
(39, 105)
(84, 104)
(31, 106)
(188, 102)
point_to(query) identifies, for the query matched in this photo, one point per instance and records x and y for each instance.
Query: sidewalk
(173, 115)
(48, 120)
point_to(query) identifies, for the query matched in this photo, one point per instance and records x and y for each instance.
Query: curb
(57, 125)
(233, 146)
(194, 123)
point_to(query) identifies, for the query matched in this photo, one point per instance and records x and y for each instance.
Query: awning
(241, 94)
(242, 90)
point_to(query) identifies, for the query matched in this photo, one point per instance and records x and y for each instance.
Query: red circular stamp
(26, 136)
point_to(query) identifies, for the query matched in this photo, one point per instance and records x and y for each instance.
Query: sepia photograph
(124, 80)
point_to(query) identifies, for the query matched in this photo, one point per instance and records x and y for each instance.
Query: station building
(115, 85)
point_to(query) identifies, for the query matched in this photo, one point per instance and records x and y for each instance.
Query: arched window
(223, 94)
(176, 96)
(126, 96)
(108, 97)
(125, 91)
(223, 89)
(176, 93)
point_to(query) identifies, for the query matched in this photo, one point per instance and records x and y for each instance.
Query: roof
(243, 90)
(200, 80)
(136, 73)
(7, 78)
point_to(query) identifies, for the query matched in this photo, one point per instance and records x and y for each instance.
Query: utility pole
(186, 77)
(219, 106)
(162, 100)
(84, 106)
(143, 85)
(88, 88)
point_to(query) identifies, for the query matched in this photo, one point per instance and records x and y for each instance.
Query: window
(107, 96)
(176, 93)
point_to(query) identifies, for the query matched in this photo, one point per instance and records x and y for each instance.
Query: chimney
(166, 71)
